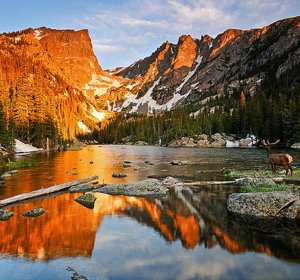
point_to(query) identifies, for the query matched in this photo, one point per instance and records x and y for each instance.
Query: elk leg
(290, 166)
(286, 167)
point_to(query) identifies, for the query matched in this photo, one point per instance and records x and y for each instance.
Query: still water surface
(186, 235)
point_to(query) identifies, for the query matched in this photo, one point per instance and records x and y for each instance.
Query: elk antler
(267, 143)
(264, 142)
(277, 141)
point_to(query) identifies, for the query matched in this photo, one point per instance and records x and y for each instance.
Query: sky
(124, 31)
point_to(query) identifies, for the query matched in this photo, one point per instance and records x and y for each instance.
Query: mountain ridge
(58, 71)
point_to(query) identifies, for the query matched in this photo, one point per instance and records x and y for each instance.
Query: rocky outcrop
(269, 204)
(59, 71)
(148, 187)
(216, 140)
(188, 71)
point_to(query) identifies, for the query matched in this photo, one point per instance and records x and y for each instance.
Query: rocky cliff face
(55, 71)
(193, 69)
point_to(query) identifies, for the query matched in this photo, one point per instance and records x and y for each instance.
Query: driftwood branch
(205, 183)
(42, 192)
(286, 205)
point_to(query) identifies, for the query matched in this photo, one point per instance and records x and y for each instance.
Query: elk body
(284, 160)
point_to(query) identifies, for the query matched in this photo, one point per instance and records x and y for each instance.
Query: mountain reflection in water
(194, 217)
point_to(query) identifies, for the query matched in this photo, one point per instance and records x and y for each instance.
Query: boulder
(203, 143)
(36, 212)
(119, 175)
(181, 162)
(148, 187)
(175, 143)
(5, 215)
(245, 142)
(87, 200)
(218, 143)
(169, 181)
(268, 204)
(125, 165)
(81, 188)
(138, 168)
(254, 181)
(296, 146)
(141, 143)
(232, 144)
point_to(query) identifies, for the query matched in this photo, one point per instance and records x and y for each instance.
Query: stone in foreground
(268, 204)
(36, 212)
(148, 187)
(87, 200)
(5, 215)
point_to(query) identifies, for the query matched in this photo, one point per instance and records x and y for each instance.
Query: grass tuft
(264, 188)
(25, 162)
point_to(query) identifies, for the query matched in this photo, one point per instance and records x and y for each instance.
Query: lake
(185, 235)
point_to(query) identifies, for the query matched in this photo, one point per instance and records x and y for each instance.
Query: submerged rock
(268, 204)
(181, 162)
(81, 188)
(36, 212)
(148, 187)
(119, 175)
(5, 215)
(136, 168)
(87, 200)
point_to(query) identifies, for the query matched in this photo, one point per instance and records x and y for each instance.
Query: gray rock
(119, 175)
(266, 204)
(87, 200)
(148, 187)
(170, 181)
(254, 181)
(81, 188)
(141, 143)
(5, 215)
(139, 168)
(36, 212)
(181, 162)
(296, 146)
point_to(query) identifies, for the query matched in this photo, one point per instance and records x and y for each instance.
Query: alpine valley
(242, 81)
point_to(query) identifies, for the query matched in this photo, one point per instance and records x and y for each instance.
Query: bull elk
(284, 160)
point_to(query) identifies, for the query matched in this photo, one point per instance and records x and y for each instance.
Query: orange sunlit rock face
(225, 38)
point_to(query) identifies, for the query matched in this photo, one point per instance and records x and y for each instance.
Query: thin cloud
(107, 49)
(136, 28)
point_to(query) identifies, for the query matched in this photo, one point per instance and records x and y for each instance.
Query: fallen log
(205, 183)
(42, 192)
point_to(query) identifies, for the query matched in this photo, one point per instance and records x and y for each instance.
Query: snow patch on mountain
(21, 147)
(98, 115)
(38, 34)
(83, 127)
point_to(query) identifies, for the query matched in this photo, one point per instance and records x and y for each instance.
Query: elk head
(284, 160)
